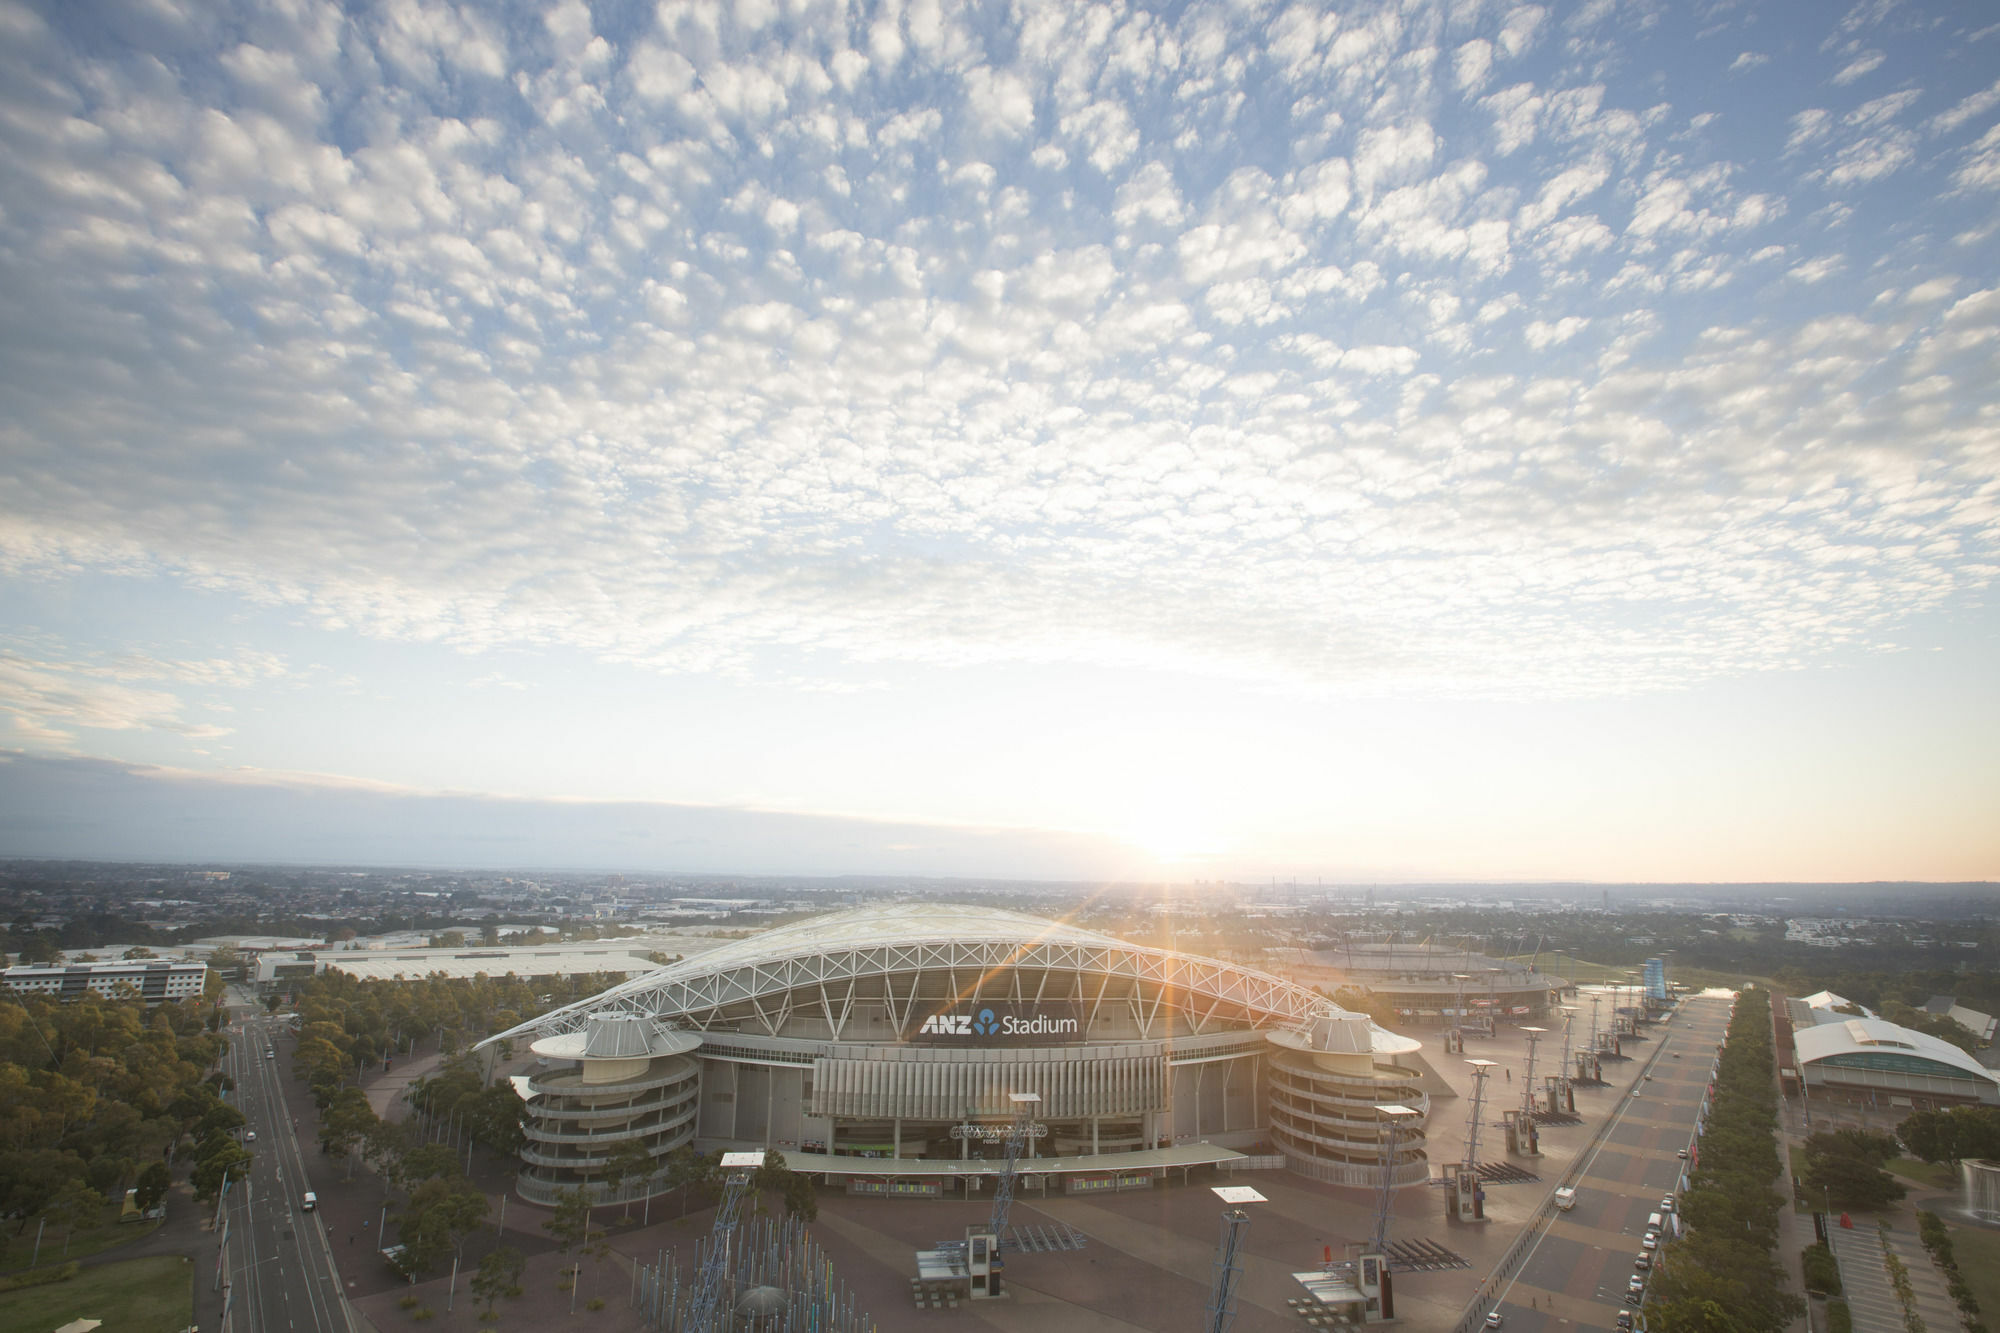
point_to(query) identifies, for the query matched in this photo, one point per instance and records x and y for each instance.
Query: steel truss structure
(826, 980)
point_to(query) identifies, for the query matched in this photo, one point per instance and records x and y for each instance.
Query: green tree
(429, 1161)
(153, 1184)
(569, 1225)
(628, 1162)
(228, 1159)
(499, 1276)
(347, 1121)
(694, 1172)
(41, 948)
(1850, 1180)
(801, 1199)
(438, 1216)
(77, 1207)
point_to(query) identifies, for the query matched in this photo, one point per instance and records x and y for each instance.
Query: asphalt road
(1576, 1274)
(279, 1261)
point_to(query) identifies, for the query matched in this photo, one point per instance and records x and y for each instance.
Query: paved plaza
(1149, 1263)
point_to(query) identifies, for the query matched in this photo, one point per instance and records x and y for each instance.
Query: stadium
(878, 1049)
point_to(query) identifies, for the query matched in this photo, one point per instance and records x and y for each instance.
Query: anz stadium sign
(984, 1024)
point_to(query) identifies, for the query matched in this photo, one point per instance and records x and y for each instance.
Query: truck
(1566, 1197)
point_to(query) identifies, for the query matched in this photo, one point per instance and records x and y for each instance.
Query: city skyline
(1473, 442)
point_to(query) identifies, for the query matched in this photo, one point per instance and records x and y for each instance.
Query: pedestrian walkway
(1871, 1298)
(385, 1091)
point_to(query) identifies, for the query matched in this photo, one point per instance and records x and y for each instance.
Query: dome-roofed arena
(880, 1046)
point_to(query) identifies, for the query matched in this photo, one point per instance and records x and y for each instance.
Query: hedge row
(1938, 1241)
(1728, 1258)
(40, 1277)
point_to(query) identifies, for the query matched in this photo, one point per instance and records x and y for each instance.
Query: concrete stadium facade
(884, 1043)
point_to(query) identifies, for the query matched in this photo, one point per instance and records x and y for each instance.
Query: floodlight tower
(1528, 1082)
(708, 1284)
(1481, 1071)
(1458, 1014)
(1565, 1097)
(1024, 1104)
(1467, 1194)
(1393, 1119)
(1229, 1255)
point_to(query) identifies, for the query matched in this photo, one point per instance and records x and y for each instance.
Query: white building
(1864, 1057)
(153, 979)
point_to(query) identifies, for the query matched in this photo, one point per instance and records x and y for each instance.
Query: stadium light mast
(1394, 1117)
(1025, 1104)
(1481, 1070)
(1229, 1256)
(1563, 1093)
(1528, 1083)
(708, 1287)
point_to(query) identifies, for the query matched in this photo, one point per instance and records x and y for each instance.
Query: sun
(1172, 836)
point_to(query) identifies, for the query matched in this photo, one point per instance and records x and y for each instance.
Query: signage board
(999, 1023)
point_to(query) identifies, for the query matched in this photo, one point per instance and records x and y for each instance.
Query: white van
(1652, 1221)
(1566, 1198)
(309, 1202)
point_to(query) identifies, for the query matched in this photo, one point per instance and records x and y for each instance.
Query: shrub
(425, 1313)
(1838, 1320)
(408, 1303)
(1822, 1273)
(39, 1277)
(594, 1303)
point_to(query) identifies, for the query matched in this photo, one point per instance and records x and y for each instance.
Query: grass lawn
(1923, 1173)
(154, 1295)
(1978, 1256)
(19, 1248)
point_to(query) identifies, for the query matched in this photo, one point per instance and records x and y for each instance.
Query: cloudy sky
(1376, 440)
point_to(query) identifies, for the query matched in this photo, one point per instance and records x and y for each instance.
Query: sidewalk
(385, 1091)
(1870, 1296)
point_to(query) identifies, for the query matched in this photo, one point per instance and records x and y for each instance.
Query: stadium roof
(912, 937)
(1857, 1036)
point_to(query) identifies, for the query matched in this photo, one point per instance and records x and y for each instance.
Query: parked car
(1644, 1263)
(1495, 1319)
(1682, 1154)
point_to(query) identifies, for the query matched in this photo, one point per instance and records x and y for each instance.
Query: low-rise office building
(153, 980)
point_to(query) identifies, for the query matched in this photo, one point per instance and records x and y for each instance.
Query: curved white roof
(866, 940)
(1862, 1035)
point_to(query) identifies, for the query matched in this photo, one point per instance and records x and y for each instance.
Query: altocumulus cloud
(1448, 346)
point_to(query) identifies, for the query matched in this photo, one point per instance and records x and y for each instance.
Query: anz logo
(960, 1025)
(988, 1023)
